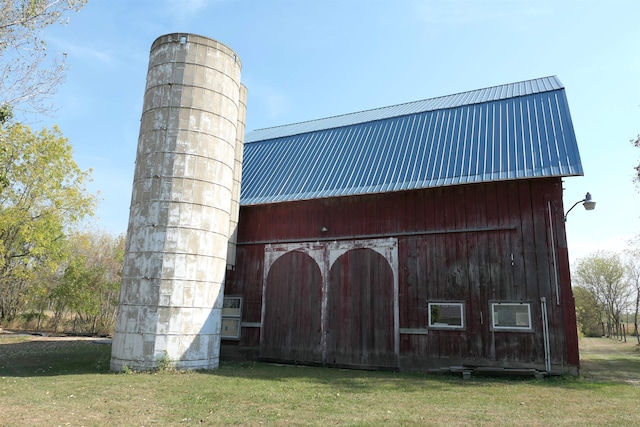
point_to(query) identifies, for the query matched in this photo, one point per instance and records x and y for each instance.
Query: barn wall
(475, 243)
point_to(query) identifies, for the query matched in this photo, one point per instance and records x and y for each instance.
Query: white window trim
(233, 317)
(444, 325)
(495, 327)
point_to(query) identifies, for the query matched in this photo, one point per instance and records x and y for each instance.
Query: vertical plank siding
(291, 325)
(473, 243)
(246, 281)
(360, 316)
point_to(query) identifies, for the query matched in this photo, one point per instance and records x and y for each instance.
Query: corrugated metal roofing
(513, 131)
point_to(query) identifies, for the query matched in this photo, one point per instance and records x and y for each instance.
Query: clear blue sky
(308, 59)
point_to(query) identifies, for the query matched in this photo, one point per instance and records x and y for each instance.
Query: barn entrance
(331, 303)
(291, 325)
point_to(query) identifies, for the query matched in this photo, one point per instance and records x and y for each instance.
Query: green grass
(53, 383)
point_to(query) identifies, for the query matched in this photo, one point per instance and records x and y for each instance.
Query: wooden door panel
(292, 310)
(360, 320)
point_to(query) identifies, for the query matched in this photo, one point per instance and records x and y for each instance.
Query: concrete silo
(181, 206)
(237, 179)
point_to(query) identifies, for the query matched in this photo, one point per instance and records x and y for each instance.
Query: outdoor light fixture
(588, 203)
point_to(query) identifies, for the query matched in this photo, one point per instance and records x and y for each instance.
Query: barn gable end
(417, 236)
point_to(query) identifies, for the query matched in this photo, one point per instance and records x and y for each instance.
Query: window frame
(444, 326)
(231, 316)
(511, 328)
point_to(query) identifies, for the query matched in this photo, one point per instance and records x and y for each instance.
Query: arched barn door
(291, 325)
(360, 311)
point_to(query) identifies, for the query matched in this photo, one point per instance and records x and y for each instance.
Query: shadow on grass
(348, 379)
(51, 357)
(359, 380)
(604, 362)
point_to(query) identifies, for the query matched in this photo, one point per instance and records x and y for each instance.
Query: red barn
(418, 236)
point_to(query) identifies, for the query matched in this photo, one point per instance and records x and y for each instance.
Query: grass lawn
(47, 382)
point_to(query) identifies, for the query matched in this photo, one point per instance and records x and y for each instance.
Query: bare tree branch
(29, 76)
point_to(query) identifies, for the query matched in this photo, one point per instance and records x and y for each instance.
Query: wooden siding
(246, 281)
(360, 326)
(291, 328)
(474, 243)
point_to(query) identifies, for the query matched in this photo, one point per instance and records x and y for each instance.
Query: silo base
(144, 351)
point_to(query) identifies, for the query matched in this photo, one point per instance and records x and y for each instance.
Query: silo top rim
(194, 38)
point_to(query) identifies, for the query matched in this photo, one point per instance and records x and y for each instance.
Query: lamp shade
(589, 204)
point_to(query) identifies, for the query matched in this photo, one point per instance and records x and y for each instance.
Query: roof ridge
(555, 79)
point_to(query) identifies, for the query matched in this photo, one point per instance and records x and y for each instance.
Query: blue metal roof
(513, 131)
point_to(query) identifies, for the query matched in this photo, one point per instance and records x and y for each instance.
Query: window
(231, 317)
(511, 316)
(449, 315)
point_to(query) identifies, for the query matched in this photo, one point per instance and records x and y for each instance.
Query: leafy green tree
(603, 274)
(76, 292)
(588, 312)
(632, 264)
(29, 77)
(6, 113)
(90, 282)
(44, 198)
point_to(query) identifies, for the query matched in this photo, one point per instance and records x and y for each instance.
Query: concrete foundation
(181, 207)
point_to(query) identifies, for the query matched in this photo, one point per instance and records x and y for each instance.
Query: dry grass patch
(610, 360)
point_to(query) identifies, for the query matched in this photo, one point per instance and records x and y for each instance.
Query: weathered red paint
(475, 243)
(291, 324)
(360, 328)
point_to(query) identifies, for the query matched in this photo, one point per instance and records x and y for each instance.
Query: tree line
(606, 290)
(51, 270)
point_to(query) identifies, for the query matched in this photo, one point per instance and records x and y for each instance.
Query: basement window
(511, 316)
(231, 318)
(446, 315)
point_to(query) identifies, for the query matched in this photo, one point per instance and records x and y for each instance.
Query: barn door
(332, 303)
(291, 329)
(360, 311)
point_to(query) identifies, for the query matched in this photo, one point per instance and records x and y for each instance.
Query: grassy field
(46, 382)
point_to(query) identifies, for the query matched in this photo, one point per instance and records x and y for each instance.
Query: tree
(6, 113)
(29, 76)
(589, 313)
(45, 196)
(632, 264)
(90, 282)
(603, 274)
